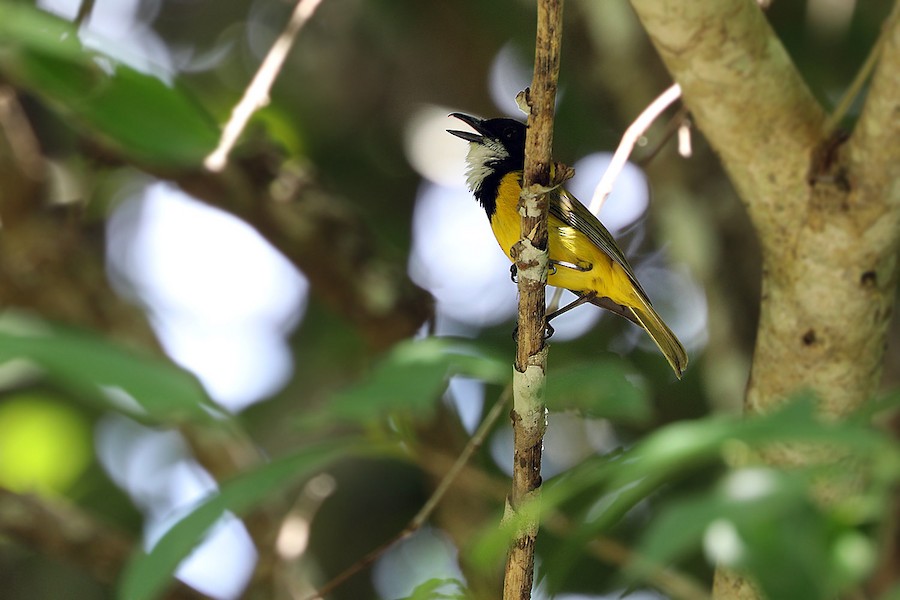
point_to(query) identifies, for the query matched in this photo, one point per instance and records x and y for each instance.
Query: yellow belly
(567, 245)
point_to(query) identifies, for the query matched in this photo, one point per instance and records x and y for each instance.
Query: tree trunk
(825, 206)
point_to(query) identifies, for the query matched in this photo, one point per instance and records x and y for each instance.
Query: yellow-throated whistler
(584, 257)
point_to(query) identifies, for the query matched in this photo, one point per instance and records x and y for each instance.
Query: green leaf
(680, 526)
(411, 378)
(799, 421)
(891, 594)
(135, 113)
(680, 448)
(94, 369)
(148, 574)
(675, 450)
(492, 543)
(599, 389)
(439, 589)
(685, 445)
(760, 520)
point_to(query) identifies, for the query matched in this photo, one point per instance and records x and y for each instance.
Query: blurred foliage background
(118, 254)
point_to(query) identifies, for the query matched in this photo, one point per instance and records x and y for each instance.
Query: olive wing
(568, 209)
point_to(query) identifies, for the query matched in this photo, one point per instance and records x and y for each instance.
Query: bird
(584, 256)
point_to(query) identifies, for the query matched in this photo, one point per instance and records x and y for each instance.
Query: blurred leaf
(684, 445)
(492, 544)
(137, 113)
(141, 386)
(598, 389)
(760, 520)
(442, 589)
(281, 127)
(411, 378)
(891, 594)
(622, 481)
(798, 420)
(148, 574)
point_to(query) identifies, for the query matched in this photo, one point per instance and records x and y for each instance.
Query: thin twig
(605, 549)
(624, 150)
(685, 148)
(860, 79)
(474, 444)
(84, 11)
(554, 300)
(257, 93)
(476, 441)
(673, 127)
(24, 148)
(22, 168)
(629, 140)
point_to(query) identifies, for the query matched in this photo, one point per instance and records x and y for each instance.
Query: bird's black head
(497, 148)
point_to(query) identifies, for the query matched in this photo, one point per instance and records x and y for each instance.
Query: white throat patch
(479, 159)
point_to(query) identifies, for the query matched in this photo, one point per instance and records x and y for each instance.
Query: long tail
(665, 340)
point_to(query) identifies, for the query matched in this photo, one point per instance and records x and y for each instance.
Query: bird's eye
(509, 133)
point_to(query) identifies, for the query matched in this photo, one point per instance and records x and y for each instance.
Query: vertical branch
(531, 257)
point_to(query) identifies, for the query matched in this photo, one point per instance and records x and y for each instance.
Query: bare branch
(257, 93)
(746, 97)
(873, 149)
(84, 11)
(889, 28)
(629, 140)
(21, 163)
(531, 256)
(421, 517)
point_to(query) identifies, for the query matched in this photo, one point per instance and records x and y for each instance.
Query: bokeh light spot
(44, 445)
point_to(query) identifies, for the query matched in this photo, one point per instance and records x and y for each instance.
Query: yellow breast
(567, 245)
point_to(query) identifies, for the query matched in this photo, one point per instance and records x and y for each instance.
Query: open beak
(474, 123)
